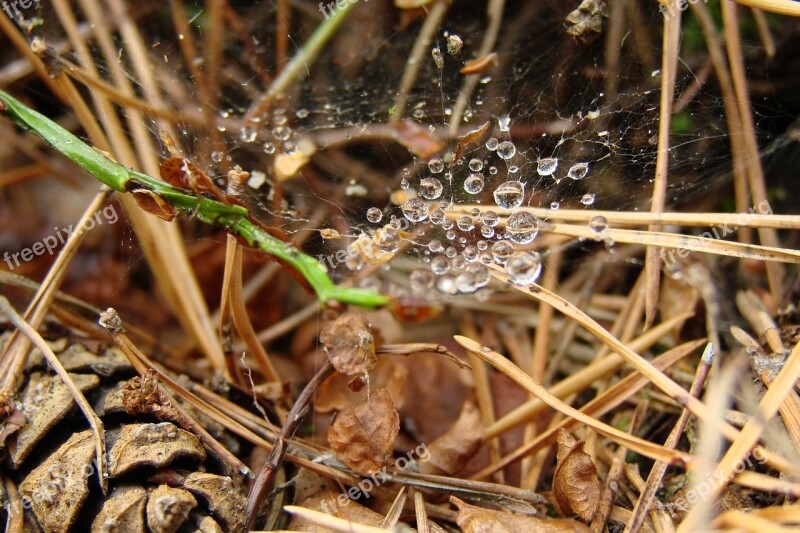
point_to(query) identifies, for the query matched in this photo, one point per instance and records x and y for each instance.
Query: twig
(264, 479)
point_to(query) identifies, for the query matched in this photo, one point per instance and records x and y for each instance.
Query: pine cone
(160, 477)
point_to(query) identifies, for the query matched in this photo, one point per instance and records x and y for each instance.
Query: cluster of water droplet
(458, 250)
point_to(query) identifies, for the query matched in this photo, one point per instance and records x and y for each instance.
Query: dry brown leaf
(335, 395)
(586, 22)
(362, 436)
(473, 519)
(154, 204)
(450, 452)
(471, 137)
(575, 483)
(349, 345)
(476, 66)
(417, 139)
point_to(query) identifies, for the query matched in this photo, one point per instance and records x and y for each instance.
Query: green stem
(234, 218)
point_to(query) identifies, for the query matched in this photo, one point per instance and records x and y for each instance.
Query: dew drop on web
(474, 183)
(587, 199)
(546, 166)
(475, 165)
(430, 188)
(509, 195)
(374, 215)
(522, 227)
(435, 165)
(415, 210)
(523, 268)
(506, 150)
(578, 171)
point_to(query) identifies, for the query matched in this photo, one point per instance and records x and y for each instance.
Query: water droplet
(437, 215)
(440, 265)
(502, 250)
(475, 165)
(435, 165)
(451, 252)
(451, 234)
(490, 218)
(487, 231)
(474, 212)
(482, 245)
(415, 210)
(448, 223)
(281, 133)
(269, 148)
(509, 195)
(470, 253)
(386, 240)
(465, 223)
(404, 184)
(302, 113)
(216, 156)
(248, 134)
(435, 246)
(513, 169)
(587, 199)
(492, 170)
(474, 183)
(457, 263)
(546, 166)
(522, 227)
(504, 123)
(430, 188)
(523, 268)
(374, 215)
(421, 280)
(555, 205)
(506, 150)
(447, 284)
(598, 224)
(578, 171)
(491, 144)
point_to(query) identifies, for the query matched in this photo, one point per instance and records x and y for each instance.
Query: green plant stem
(234, 218)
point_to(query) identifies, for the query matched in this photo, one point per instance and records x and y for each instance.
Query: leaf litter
(447, 191)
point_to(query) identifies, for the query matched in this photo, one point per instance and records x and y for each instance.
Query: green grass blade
(235, 218)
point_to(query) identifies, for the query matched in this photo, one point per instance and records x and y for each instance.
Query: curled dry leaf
(471, 137)
(476, 66)
(575, 484)
(349, 344)
(58, 487)
(168, 509)
(335, 395)
(154, 204)
(362, 436)
(417, 139)
(451, 451)
(473, 519)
